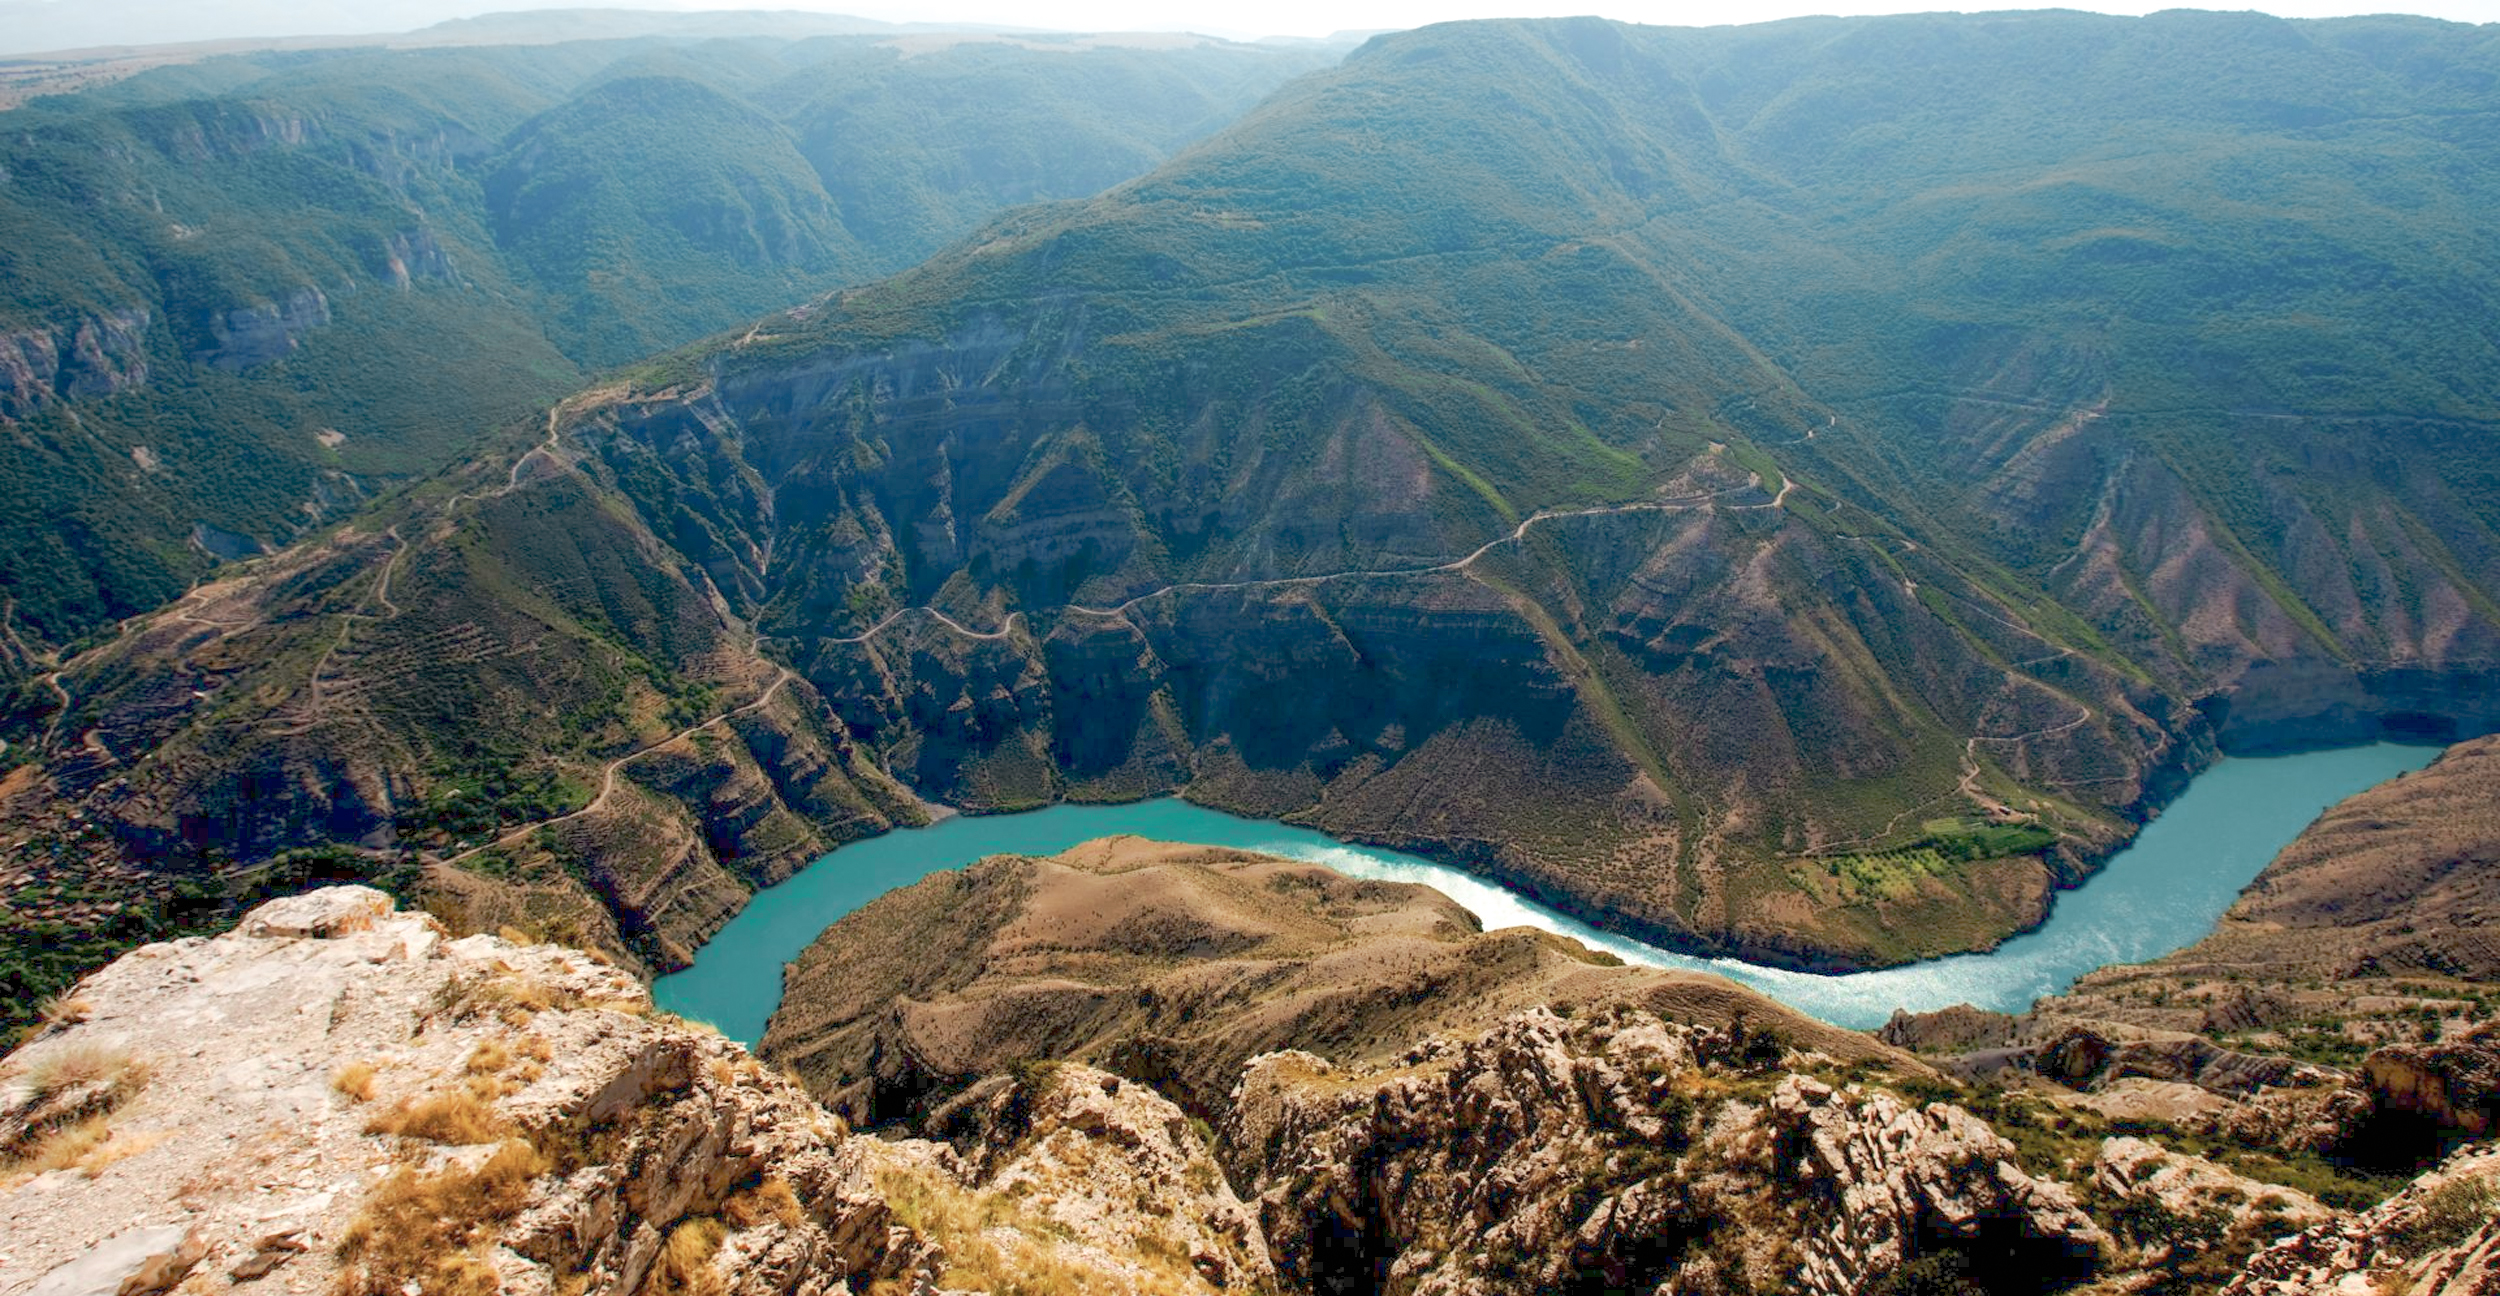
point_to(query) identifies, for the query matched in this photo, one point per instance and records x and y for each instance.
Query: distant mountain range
(1800, 491)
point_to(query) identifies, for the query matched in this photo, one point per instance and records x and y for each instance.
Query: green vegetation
(1944, 845)
(438, 241)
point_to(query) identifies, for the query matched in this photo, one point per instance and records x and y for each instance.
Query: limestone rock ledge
(339, 1098)
(309, 1099)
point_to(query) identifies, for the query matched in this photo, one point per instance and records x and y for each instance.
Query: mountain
(1794, 491)
(243, 295)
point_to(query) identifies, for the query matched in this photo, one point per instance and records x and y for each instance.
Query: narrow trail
(1679, 505)
(53, 730)
(546, 447)
(607, 775)
(949, 622)
(380, 593)
(1120, 611)
(1965, 788)
(1971, 769)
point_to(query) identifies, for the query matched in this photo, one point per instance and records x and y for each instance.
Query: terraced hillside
(1789, 490)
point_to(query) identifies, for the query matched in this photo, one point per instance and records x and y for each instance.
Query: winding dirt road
(608, 773)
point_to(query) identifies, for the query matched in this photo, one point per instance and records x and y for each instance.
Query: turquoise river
(2163, 892)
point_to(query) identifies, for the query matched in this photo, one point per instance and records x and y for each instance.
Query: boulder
(133, 1262)
(319, 915)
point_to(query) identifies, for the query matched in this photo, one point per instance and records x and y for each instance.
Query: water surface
(2161, 893)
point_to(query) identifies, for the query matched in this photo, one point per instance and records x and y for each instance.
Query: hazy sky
(27, 25)
(1319, 17)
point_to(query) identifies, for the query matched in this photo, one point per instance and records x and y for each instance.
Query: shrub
(355, 1080)
(459, 1118)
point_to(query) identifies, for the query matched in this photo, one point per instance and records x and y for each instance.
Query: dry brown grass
(490, 1057)
(64, 1069)
(457, 1117)
(684, 1265)
(429, 1232)
(73, 1093)
(64, 1148)
(989, 1247)
(772, 1199)
(514, 1000)
(355, 1080)
(64, 1010)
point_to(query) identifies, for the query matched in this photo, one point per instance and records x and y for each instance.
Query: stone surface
(284, 1061)
(134, 1262)
(2439, 1237)
(1553, 1151)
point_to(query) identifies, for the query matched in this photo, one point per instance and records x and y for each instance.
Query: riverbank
(2161, 893)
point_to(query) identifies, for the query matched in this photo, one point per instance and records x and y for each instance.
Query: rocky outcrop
(340, 1097)
(409, 256)
(1566, 1154)
(248, 336)
(2439, 1237)
(1884, 1182)
(1156, 1211)
(103, 353)
(1958, 1029)
(2081, 1057)
(2455, 1085)
(2173, 1206)
(344, 1093)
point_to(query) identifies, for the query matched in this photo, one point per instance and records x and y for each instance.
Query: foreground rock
(2439, 1237)
(339, 1098)
(1632, 1153)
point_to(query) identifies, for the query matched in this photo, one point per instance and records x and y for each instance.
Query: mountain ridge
(1462, 512)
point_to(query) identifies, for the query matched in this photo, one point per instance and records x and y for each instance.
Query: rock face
(337, 1096)
(2439, 1237)
(102, 353)
(2174, 1206)
(1885, 1182)
(1176, 964)
(342, 1094)
(1108, 1176)
(249, 336)
(1566, 1154)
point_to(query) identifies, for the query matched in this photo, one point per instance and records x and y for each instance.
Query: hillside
(2374, 928)
(243, 295)
(1180, 964)
(1650, 467)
